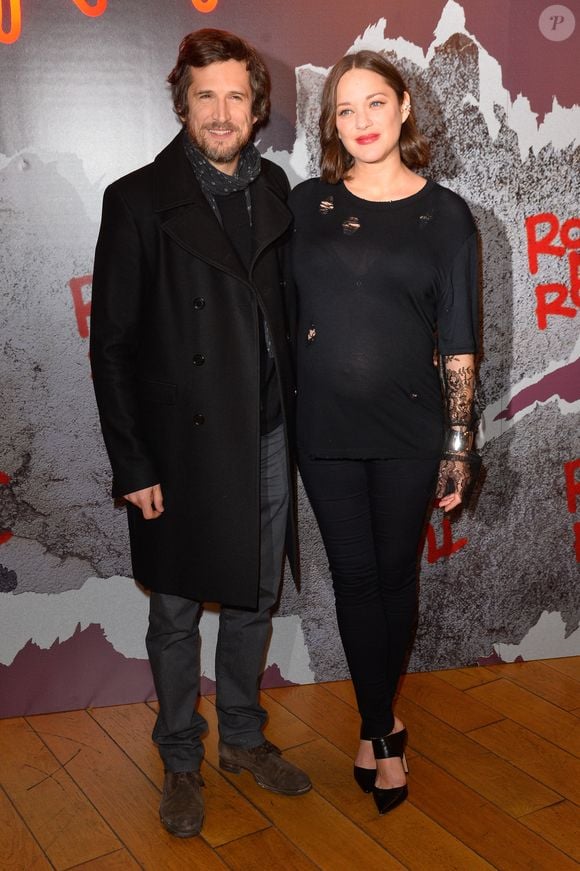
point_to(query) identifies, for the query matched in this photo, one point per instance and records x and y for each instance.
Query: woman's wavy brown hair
(208, 46)
(335, 161)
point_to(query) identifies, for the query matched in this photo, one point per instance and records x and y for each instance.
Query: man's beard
(218, 152)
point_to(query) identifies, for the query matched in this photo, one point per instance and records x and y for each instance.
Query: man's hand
(149, 500)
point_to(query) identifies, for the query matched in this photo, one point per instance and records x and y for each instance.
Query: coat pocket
(160, 392)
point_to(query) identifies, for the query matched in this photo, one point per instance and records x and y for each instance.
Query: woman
(385, 264)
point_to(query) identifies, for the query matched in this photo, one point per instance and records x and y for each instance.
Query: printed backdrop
(83, 101)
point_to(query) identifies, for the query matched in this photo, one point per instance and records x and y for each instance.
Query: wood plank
(121, 793)
(228, 814)
(18, 849)
(328, 715)
(560, 825)
(460, 678)
(460, 814)
(325, 712)
(120, 860)
(569, 665)
(497, 837)
(322, 833)
(407, 833)
(268, 849)
(289, 730)
(130, 727)
(536, 714)
(529, 752)
(344, 690)
(454, 752)
(543, 680)
(459, 755)
(61, 819)
(447, 702)
(464, 678)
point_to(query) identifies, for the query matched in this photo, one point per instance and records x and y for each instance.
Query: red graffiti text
(447, 547)
(82, 303)
(5, 534)
(549, 237)
(572, 495)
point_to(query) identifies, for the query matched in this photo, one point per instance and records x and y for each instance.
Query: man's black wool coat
(175, 356)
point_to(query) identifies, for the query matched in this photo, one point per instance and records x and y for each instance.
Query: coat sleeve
(119, 287)
(286, 276)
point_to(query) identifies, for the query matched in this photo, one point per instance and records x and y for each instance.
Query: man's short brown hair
(204, 47)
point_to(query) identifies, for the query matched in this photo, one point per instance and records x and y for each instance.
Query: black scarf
(214, 183)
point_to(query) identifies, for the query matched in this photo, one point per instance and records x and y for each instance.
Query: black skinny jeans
(371, 515)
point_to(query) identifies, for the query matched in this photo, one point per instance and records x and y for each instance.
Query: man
(191, 365)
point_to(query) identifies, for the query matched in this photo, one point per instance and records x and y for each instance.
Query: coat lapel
(186, 215)
(270, 216)
(188, 218)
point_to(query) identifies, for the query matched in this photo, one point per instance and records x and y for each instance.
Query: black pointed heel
(365, 777)
(386, 748)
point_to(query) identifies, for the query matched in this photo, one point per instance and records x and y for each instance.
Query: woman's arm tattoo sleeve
(458, 383)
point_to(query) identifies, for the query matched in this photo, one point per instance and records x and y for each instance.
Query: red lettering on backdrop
(543, 244)
(572, 494)
(572, 485)
(82, 305)
(575, 278)
(90, 8)
(548, 237)
(448, 546)
(5, 534)
(555, 306)
(568, 240)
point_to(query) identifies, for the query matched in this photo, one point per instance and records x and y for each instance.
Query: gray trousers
(243, 638)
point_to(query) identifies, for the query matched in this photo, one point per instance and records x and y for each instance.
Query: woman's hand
(454, 477)
(448, 503)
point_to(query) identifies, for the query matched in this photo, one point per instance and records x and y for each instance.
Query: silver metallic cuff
(458, 442)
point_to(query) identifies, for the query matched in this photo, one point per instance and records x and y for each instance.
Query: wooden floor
(494, 783)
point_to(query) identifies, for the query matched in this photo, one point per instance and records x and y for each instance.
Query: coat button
(198, 359)
(198, 419)
(414, 395)
(198, 303)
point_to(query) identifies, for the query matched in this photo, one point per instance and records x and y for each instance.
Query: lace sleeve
(457, 470)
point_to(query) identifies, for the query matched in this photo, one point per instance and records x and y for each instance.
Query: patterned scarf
(214, 183)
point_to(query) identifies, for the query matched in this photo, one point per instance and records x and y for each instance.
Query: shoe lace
(268, 747)
(188, 776)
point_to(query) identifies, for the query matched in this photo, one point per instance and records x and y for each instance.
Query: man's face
(219, 119)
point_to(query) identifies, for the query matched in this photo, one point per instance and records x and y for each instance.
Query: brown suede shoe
(266, 764)
(181, 808)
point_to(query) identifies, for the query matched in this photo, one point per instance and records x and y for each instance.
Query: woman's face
(369, 116)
